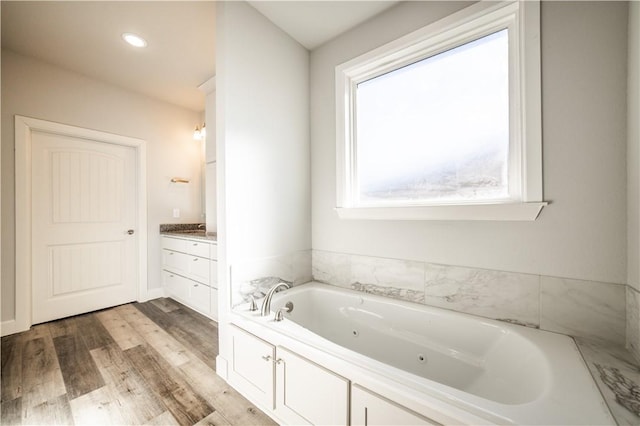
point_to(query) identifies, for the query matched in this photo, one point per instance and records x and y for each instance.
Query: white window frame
(525, 124)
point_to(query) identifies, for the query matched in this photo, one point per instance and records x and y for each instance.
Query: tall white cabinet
(209, 88)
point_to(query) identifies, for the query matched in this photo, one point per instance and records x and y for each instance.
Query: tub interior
(460, 351)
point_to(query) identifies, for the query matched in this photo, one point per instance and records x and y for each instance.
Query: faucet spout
(266, 302)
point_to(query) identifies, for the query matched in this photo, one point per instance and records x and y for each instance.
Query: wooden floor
(147, 363)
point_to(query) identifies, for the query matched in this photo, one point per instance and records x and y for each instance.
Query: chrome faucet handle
(279, 316)
(252, 304)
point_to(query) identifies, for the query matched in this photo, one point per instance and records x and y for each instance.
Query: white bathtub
(501, 372)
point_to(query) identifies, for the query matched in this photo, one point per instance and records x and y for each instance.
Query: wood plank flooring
(149, 363)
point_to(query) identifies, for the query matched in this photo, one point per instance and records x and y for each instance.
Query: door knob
(130, 231)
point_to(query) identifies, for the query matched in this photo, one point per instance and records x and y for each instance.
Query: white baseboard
(154, 293)
(221, 367)
(10, 327)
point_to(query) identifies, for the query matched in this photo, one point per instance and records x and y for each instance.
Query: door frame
(24, 128)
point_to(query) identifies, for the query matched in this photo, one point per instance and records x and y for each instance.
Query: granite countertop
(189, 230)
(617, 374)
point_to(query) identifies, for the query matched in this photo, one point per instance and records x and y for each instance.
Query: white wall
(582, 233)
(35, 89)
(265, 137)
(633, 147)
(262, 79)
(633, 182)
(210, 155)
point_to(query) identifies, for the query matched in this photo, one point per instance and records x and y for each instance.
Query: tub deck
(501, 372)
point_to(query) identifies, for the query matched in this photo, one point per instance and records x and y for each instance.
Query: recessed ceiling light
(134, 40)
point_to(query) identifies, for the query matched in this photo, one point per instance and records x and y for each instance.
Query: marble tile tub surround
(575, 307)
(618, 377)
(583, 308)
(254, 277)
(633, 322)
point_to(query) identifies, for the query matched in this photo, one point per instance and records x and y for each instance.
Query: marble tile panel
(384, 272)
(398, 279)
(583, 308)
(301, 267)
(409, 295)
(331, 268)
(633, 322)
(618, 377)
(255, 276)
(506, 296)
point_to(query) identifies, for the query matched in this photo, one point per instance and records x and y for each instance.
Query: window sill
(495, 212)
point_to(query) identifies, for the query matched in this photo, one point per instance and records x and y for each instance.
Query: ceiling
(313, 23)
(85, 37)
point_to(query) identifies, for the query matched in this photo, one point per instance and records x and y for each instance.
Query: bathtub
(500, 372)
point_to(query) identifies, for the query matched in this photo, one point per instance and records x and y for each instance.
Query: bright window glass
(436, 131)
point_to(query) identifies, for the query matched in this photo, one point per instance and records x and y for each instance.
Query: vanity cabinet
(305, 392)
(189, 273)
(252, 367)
(370, 409)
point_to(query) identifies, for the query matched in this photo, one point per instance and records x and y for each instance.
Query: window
(445, 122)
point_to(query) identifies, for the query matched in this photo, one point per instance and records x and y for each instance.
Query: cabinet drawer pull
(195, 260)
(171, 276)
(195, 285)
(170, 253)
(195, 244)
(267, 357)
(280, 361)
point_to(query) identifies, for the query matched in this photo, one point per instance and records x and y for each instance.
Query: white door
(84, 241)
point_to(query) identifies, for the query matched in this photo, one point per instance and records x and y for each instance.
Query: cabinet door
(252, 367)
(309, 394)
(370, 409)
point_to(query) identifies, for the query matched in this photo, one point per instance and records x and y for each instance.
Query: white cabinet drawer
(198, 268)
(200, 297)
(176, 285)
(176, 261)
(198, 248)
(173, 244)
(194, 294)
(193, 247)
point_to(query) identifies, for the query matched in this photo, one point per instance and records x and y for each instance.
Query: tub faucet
(266, 303)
